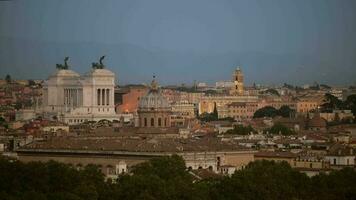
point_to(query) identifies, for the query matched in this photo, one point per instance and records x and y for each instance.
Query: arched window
(159, 122)
(152, 122)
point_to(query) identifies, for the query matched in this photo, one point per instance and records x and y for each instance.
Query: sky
(274, 41)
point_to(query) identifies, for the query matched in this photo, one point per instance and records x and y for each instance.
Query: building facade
(238, 83)
(154, 110)
(72, 98)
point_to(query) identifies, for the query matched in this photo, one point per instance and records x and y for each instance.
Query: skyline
(179, 42)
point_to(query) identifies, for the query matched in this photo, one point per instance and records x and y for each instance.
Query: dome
(65, 73)
(317, 122)
(154, 100)
(101, 72)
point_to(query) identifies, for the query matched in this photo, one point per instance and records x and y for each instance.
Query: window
(159, 122)
(334, 161)
(152, 122)
(98, 97)
(145, 120)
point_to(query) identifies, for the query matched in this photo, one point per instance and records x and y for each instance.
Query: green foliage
(267, 111)
(270, 111)
(8, 78)
(285, 111)
(3, 123)
(264, 180)
(280, 129)
(167, 178)
(207, 117)
(351, 103)
(31, 83)
(331, 103)
(160, 178)
(49, 180)
(241, 130)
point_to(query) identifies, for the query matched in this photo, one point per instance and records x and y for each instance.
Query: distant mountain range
(27, 59)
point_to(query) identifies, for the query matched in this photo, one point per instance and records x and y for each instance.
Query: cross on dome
(154, 84)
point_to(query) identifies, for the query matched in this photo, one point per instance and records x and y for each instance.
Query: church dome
(154, 100)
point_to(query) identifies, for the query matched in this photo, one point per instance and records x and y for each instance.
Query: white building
(74, 99)
(340, 156)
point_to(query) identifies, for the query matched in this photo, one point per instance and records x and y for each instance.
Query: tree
(351, 103)
(159, 178)
(241, 130)
(331, 103)
(215, 112)
(210, 116)
(267, 111)
(31, 82)
(8, 79)
(263, 180)
(279, 128)
(285, 111)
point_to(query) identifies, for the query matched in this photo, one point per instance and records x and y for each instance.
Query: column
(76, 97)
(64, 96)
(107, 97)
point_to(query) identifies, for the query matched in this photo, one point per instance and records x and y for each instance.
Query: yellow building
(184, 109)
(239, 111)
(238, 86)
(237, 95)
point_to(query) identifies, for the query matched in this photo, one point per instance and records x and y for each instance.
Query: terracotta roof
(136, 144)
(317, 122)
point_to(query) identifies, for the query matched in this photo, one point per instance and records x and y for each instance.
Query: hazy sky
(274, 41)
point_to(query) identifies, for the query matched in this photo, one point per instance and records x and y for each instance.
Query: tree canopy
(279, 128)
(269, 111)
(241, 130)
(167, 178)
(333, 103)
(8, 78)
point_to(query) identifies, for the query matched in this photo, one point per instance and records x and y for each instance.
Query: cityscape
(89, 132)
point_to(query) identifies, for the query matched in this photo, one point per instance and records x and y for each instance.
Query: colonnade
(73, 97)
(103, 97)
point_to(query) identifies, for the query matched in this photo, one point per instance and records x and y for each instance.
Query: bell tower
(238, 80)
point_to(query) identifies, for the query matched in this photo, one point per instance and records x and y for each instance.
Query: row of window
(77, 120)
